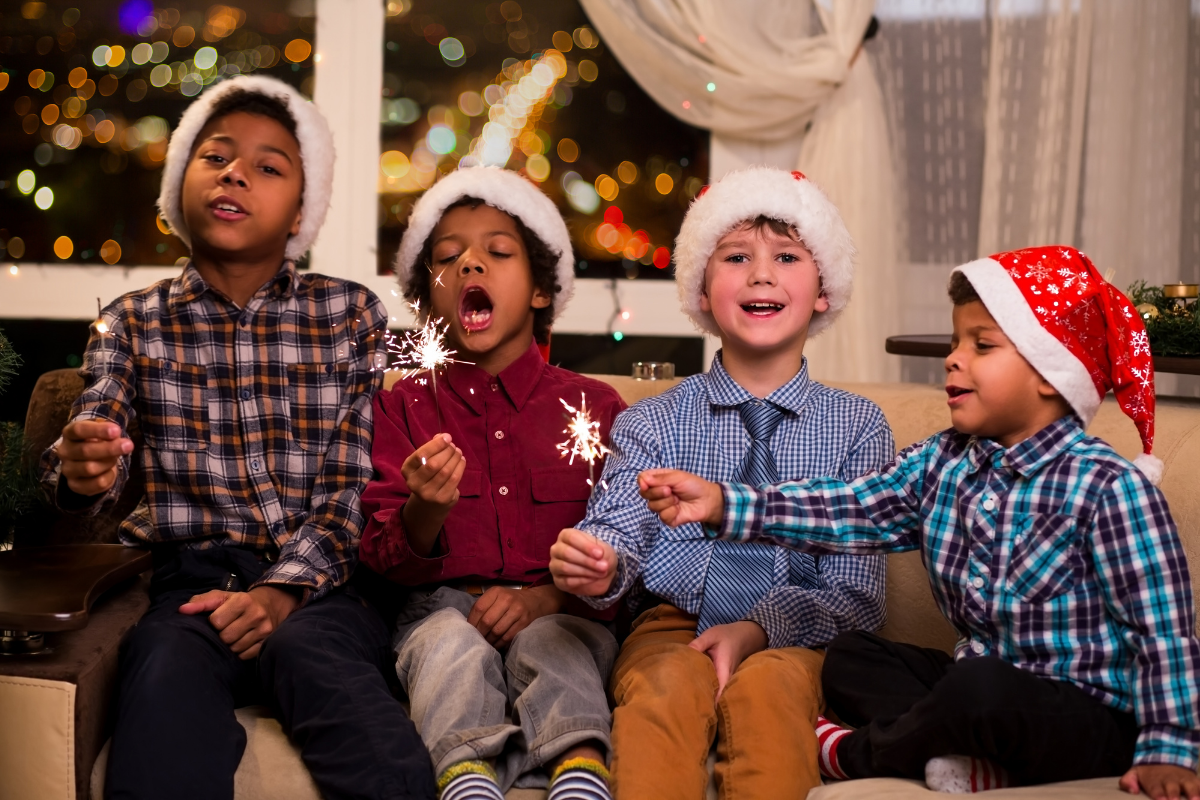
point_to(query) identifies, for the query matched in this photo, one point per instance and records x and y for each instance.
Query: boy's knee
(445, 637)
(674, 671)
(792, 672)
(163, 649)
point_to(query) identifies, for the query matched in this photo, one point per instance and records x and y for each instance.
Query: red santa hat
(1081, 334)
(500, 188)
(745, 195)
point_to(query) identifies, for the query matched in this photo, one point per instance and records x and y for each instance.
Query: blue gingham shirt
(696, 426)
(1056, 555)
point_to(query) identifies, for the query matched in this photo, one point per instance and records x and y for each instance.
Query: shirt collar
(189, 285)
(518, 379)
(723, 390)
(1028, 457)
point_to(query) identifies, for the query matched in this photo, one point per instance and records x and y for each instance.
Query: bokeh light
(43, 198)
(662, 258)
(607, 188)
(627, 171)
(453, 52)
(116, 55)
(537, 167)
(77, 77)
(568, 150)
(588, 70)
(297, 50)
(664, 183)
(394, 164)
(586, 38)
(110, 251)
(206, 57)
(441, 139)
(470, 103)
(562, 41)
(161, 224)
(141, 53)
(64, 247)
(26, 181)
(582, 196)
(16, 248)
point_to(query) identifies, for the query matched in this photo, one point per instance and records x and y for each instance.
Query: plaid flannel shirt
(1056, 555)
(256, 420)
(696, 426)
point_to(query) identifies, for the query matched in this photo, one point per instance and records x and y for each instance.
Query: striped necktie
(739, 575)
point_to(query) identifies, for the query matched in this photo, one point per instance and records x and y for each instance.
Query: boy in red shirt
(468, 500)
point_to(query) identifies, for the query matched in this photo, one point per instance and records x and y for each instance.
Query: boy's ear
(296, 224)
(541, 299)
(705, 302)
(822, 303)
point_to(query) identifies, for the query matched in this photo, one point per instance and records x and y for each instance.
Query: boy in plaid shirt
(251, 384)
(1055, 559)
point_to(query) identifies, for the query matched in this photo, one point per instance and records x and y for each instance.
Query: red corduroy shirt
(517, 492)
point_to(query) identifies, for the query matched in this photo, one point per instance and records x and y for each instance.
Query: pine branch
(10, 362)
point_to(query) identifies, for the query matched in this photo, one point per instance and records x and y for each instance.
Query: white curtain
(757, 74)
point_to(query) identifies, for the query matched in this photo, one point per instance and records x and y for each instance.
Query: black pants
(321, 671)
(911, 704)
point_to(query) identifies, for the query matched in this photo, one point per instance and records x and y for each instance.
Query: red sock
(828, 737)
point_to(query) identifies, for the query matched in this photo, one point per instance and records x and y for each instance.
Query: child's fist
(582, 564)
(1162, 782)
(680, 497)
(433, 471)
(89, 451)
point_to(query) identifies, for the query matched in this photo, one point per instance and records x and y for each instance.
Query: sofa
(54, 708)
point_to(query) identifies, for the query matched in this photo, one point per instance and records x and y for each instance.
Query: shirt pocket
(560, 496)
(315, 394)
(1045, 557)
(173, 412)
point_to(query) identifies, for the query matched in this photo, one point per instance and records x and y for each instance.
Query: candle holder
(653, 370)
(1181, 295)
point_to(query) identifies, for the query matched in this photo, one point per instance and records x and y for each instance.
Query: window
(531, 86)
(89, 91)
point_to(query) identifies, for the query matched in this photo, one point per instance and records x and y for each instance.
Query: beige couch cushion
(272, 770)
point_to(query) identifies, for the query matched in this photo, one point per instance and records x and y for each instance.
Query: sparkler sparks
(584, 440)
(423, 350)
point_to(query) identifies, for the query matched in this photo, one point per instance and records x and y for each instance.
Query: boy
(1055, 559)
(471, 490)
(251, 384)
(721, 650)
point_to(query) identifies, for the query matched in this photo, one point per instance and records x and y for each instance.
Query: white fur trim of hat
(745, 195)
(499, 188)
(316, 154)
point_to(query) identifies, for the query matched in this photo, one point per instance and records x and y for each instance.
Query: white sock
(472, 786)
(579, 784)
(963, 775)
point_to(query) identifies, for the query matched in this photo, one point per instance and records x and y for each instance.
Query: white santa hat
(499, 188)
(316, 156)
(1076, 329)
(745, 195)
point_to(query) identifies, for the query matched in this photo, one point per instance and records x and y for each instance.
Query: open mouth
(956, 393)
(227, 208)
(475, 309)
(762, 308)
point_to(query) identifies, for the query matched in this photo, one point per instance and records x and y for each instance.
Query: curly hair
(543, 264)
(248, 102)
(961, 291)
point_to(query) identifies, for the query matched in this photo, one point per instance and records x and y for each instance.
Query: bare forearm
(422, 523)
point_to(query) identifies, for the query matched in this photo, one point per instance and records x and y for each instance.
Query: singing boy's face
(993, 392)
(481, 284)
(242, 188)
(762, 288)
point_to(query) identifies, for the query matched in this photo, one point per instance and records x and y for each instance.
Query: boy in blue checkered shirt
(722, 649)
(1055, 559)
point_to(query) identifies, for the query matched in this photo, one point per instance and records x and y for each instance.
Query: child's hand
(582, 564)
(433, 471)
(728, 646)
(1162, 782)
(500, 614)
(245, 619)
(90, 451)
(680, 497)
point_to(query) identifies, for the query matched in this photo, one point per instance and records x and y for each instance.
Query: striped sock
(469, 780)
(964, 775)
(579, 779)
(828, 737)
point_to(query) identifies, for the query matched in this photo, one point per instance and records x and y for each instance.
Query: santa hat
(316, 155)
(501, 189)
(1081, 334)
(745, 195)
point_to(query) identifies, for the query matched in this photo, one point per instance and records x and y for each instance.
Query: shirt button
(499, 434)
(977, 647)
(329, 369)
(508, 541)
(977, 583)
(254, 464)
(504, 490)
(989, 504)
(493, 386)
(245, 394)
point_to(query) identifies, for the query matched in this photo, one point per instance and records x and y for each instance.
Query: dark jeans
(911, 704)
(321, 671)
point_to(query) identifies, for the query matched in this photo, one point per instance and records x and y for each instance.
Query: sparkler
(584, 440)
(101, 325)
(426, 350)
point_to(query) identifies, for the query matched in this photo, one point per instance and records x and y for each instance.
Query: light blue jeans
(522, 708)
